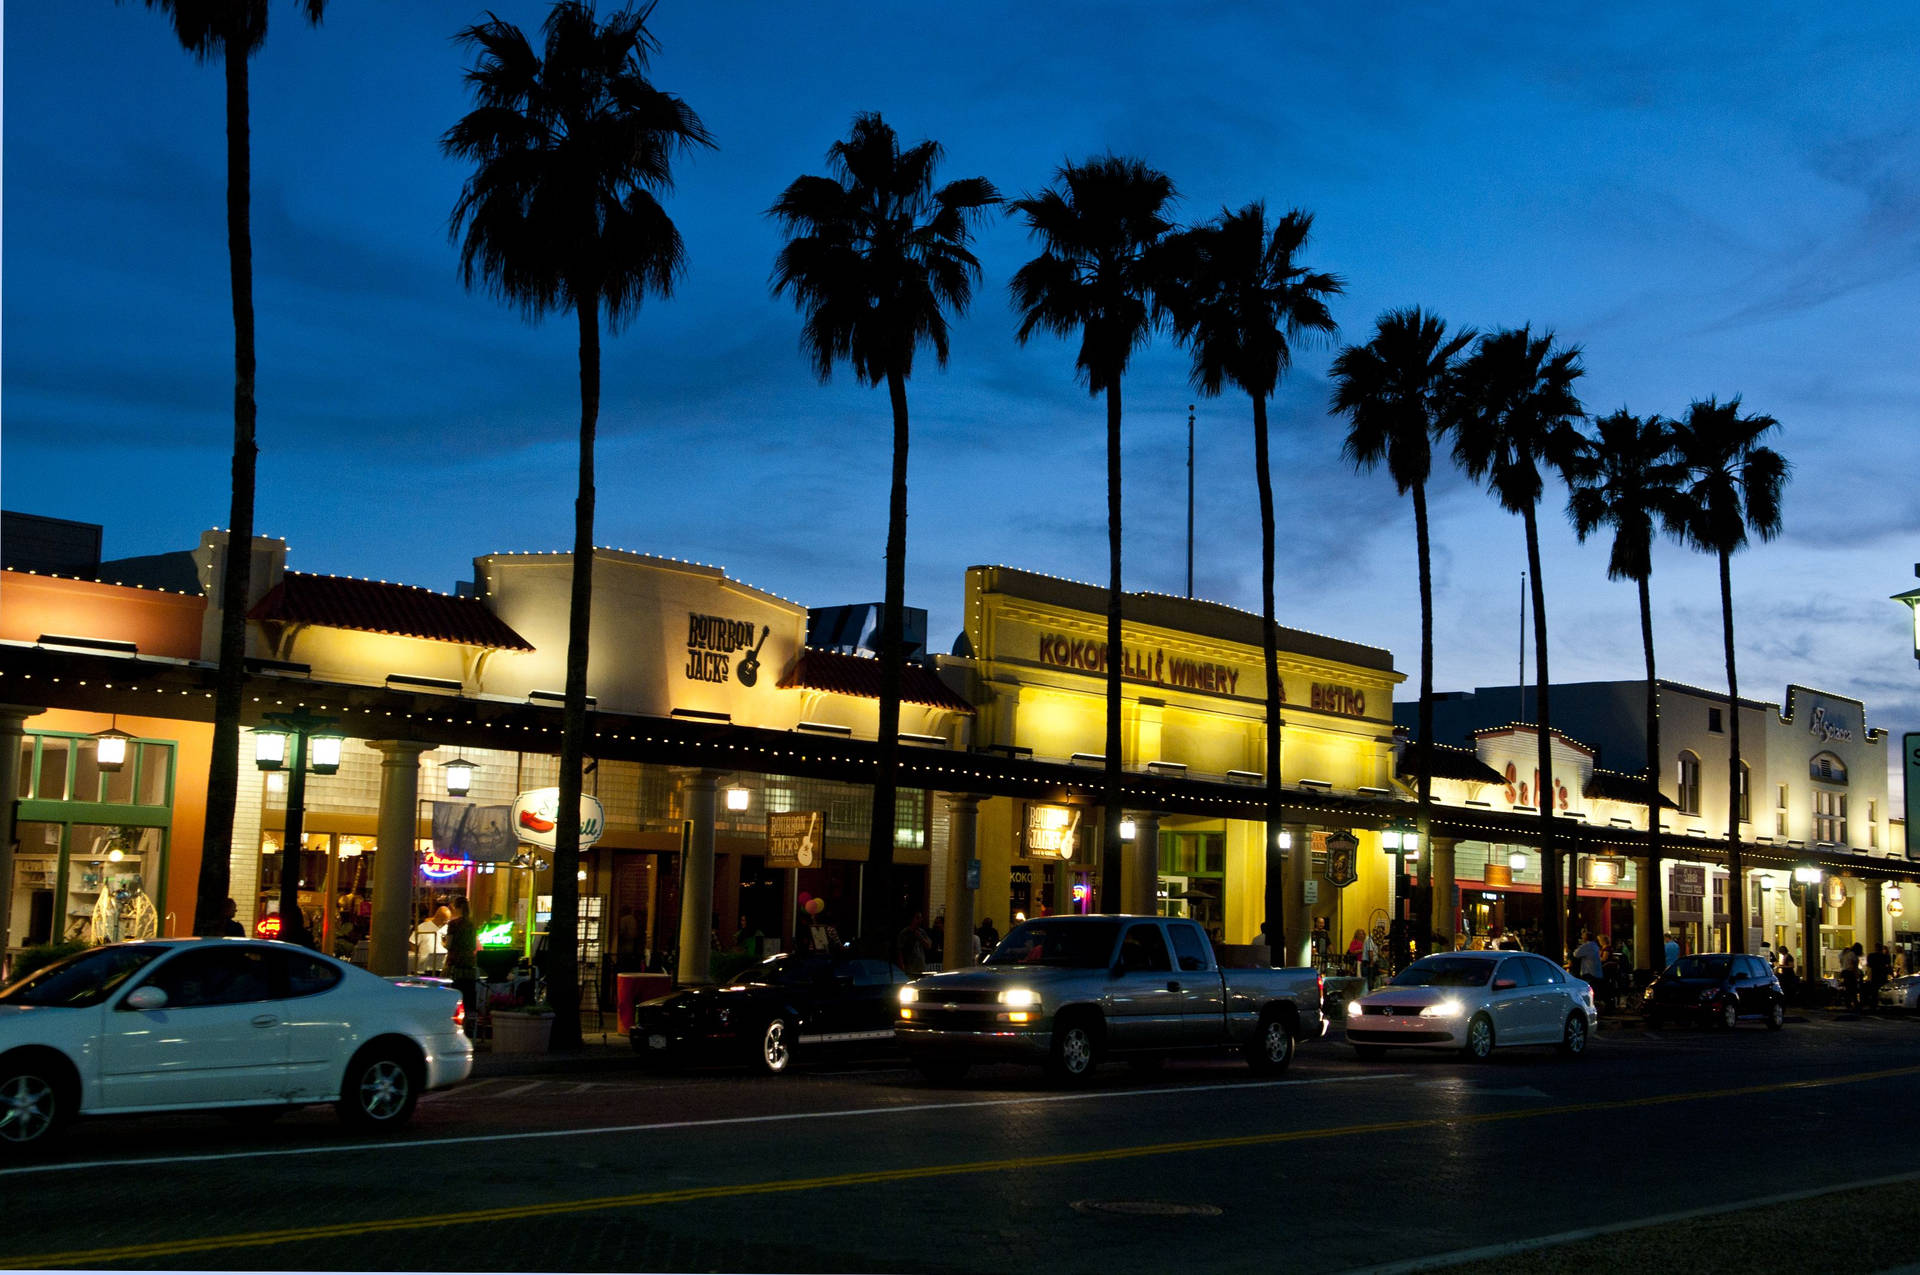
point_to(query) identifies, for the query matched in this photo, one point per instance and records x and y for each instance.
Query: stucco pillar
(697, 788)
(1648, 947)
(1440, 881)
(1873, 914)
(12, 732)
(1140, 881)
(399, 829)
(1297, 916)
(963, 828)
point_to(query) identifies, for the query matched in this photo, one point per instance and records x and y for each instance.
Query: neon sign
(499, 935)
(435, 867)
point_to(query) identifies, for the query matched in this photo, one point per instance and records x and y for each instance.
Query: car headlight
(908, 995)
(1445, 1009)
(1019, 997)
(1353, 1009)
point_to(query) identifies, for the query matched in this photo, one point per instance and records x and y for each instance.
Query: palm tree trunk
(1423, 790)
(1276, 897)
(1736, 863)
(1655, 926)
(1552, 927)
(563, 929)
(878, 900)
(1110, 848)
(223, 771)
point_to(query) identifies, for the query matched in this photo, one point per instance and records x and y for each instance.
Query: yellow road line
(646, 1199)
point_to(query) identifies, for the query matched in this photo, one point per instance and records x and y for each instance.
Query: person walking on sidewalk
(463, 955)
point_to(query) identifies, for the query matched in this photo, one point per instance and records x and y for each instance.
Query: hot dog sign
(536, 817)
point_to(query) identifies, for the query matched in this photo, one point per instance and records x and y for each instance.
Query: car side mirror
(146, 996)
(1504, 984)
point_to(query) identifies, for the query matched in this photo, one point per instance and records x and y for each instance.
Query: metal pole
(1189, 501)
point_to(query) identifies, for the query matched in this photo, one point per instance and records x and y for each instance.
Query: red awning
(374, 606)
(858, 675)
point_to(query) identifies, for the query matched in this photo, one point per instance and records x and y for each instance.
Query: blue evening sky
(1708, 199)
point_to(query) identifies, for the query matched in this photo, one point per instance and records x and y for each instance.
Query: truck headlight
(908, 995)
(1019, 997)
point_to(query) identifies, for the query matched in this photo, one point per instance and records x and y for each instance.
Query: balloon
(805, 898)
(816, 906)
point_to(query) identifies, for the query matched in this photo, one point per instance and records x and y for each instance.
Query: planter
(517, 1032)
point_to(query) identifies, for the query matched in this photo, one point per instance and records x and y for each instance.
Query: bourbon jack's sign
(712, 641)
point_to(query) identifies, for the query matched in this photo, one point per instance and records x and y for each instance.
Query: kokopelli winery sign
(536, 817)
(712, 642)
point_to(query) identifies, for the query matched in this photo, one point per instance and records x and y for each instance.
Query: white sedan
(1473, 1001)
(246, 1027)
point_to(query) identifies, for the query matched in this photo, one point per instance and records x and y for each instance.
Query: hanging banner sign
(482, 834)
(536, 818)
(1052, 831)
(1342, 870)
(795, 838)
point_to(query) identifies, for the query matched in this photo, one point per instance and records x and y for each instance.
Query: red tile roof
(1449, 763)
(858, 675)
(374, 606)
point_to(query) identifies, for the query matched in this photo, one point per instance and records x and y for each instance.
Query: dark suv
(1717, 988)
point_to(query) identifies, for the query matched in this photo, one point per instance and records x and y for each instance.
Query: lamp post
(1912, 598)
(270, 753)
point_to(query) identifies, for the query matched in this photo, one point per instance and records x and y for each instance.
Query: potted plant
(521, 1028)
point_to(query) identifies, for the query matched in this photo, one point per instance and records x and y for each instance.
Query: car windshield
(1086, 945)
(81, 980)
(781, 971)
(1702, 966)
(1444, 971)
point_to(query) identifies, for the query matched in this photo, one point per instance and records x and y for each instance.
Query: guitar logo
(748, 669)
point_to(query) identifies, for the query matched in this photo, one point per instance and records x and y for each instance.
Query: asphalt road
(1670, 1149)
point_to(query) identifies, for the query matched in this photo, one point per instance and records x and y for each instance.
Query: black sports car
(1717, 988)
(788, 1005)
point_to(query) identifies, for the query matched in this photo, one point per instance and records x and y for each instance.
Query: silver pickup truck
(1069, 991)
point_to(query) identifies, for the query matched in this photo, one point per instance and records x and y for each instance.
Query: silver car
(1474, 1001)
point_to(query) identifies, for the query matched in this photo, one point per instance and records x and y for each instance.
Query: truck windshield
(1444, 971)
(1078, 944)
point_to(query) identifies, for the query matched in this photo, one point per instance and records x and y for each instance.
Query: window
(1830, 816)
(1828, 769)
(1714, 724)
(1144, 948)
(1543, 973)
(1780, 811)
(220, 975)
(1688, 797)
(1746, 783)
(308, 975)
(1873, 825)
(1191, 948)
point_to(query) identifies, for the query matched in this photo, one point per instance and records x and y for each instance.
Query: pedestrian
(910, 945)
(1672, 950)
(989, 937)
(230, 923)
(429, 949)
(463, 955)
(1789, 980)
(1850, 976)
(1261, 939)
(937, 940)
(1587, 961)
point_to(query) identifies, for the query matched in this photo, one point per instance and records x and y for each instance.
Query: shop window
(50, 779)
(1780, 811)
(1688, 797)
(1873, 825)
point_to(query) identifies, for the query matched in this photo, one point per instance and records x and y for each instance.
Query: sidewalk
(602, 1049)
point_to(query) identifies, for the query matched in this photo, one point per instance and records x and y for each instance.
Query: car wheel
(1573, 1037)
(942, 1071)
(34, 1104)
(1075, 1053)
(381, 1087)
(1729, 1015)
(1479, 1044)
(1271, 1048)
(776, 1047)
(1776, 1016)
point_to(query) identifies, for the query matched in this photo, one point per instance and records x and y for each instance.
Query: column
(1648, 945)
(1296, 916)
(697, 789)
(1445, 918)
(963, 825)
(1140, 875)
(399, 830)
(1873, 913)
(12, 734)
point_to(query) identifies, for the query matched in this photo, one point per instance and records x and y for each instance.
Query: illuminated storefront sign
(711, 643)
(1052, 831)
(536, 818)
(1156, 667)
(794, 838)
(435, 868)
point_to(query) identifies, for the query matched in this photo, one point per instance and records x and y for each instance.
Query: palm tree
(233, 30)
(1239, 297)
(1398, 392)
(1517, 414)
(571, 148)
(875, 258)
(1732, 485)
(1100, 227)
(1624, 477)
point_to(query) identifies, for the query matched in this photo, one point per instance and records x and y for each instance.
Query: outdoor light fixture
(325, 754)
(310, 747)
(1517, 860)
(1766, 883)
(1807, 875)
(1911, 597)
(1127, 829)
(459, 774)
(110, 746)
(1895, 907)
(1285, 839)
(737, 799)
